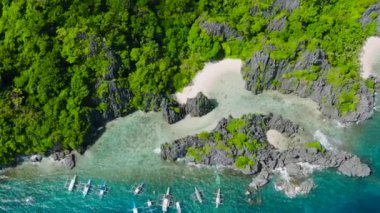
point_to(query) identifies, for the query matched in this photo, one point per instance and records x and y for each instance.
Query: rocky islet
(264, 160)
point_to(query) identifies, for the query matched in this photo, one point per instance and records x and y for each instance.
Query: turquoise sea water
(126, 154)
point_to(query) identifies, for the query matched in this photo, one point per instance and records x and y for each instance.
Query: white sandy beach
(370, 58)
(205, 79)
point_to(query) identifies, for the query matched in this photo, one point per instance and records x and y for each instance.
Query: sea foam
(323, 139)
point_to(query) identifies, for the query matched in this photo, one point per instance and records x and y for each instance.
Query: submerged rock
(293, 188)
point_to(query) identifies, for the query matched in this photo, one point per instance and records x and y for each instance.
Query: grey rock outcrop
(262, 72)
(172, 111)
(353, 167)
(195, 107)
(277, 25)
(371, 14)
(260, 180)
(220, 29)
(255, 128)
(294, 170)
(288, 5)
(115, 97)
(66, 157)
(276, 7)
(179, 148)
(117, 100)
(199, 106)
(69, 161)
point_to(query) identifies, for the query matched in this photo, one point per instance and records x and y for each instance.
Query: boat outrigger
(102, 189)
(138, 189)
(86, 188)
(72, 183)
(197, 195)
(166, 200)
(178, 207)
(218, 198)
(150, 206)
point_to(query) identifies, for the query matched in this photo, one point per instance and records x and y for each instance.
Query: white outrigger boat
(149, 203)
(135, 209)
(178, 207)
(198, 195)
(86, 188)
(102, 190)
(218, 198)
(72, 183)
(166, 200)
(138, 189)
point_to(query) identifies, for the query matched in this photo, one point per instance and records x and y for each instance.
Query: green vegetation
(194, 153)
(237, 140)
(217, 136)
(57, 58)
(243, 161)
(234, 124)
(252, 145)
(370, 84)
(203, 135)
(315, 144)
(198, 153)
(308, 75)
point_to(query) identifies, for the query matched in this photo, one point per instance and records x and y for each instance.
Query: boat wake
(323, 139)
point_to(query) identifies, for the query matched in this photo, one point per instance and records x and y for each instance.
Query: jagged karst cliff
(262, 72)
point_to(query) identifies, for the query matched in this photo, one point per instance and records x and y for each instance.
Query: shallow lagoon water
(127, 153)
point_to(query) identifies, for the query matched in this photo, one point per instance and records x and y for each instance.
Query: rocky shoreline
(172, 112)
(65, 158)
(254, 155)
(262, 72)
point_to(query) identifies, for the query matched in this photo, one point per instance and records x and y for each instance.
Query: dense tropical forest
(64, 62)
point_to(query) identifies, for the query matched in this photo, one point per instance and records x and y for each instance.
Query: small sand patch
(370, 58)
(277, 139)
